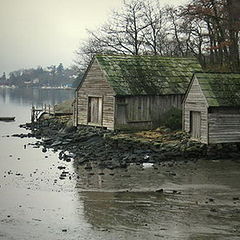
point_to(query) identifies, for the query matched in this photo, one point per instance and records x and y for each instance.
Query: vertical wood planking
(95, 84)
(195, 101)
(140, 109)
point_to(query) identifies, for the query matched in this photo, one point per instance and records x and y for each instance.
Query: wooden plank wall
(96, 85)
(224, 127)
(144, 111)
(195, 101)
(75, 110)
(74, 113)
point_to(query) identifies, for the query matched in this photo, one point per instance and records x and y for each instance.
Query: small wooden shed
(126, 92)
(211, 107)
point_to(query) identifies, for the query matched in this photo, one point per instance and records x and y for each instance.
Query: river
(200, 200)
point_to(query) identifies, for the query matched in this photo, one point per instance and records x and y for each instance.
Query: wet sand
(183, 201)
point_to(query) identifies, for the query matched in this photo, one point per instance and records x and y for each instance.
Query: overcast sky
(48, 32)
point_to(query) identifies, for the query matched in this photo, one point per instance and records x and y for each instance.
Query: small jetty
(37, 112)
(7, 119)
(62, 109)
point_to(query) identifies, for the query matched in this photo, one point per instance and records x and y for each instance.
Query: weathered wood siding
(144, 112)
(224, 126)
(96, 85)
(74, 109)
(195, 101)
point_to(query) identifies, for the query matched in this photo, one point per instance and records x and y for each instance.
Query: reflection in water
(37, 97)
(127, 201)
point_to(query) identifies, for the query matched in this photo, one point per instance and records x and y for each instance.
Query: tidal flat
(187, 200)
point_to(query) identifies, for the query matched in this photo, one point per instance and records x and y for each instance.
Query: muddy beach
(45, 193)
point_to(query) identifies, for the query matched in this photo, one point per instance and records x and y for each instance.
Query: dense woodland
(206, 29)
(52, 76)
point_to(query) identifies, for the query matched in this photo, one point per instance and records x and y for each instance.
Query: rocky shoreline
(109, 149)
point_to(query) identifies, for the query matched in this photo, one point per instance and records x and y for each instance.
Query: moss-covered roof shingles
(148, 75)
(220, 89)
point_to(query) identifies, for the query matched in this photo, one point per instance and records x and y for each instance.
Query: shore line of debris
(109, 149)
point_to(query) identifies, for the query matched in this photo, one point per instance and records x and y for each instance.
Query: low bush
(172, 119)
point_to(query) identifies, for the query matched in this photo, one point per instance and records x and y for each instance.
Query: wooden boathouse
(211, 107)
(131, 92)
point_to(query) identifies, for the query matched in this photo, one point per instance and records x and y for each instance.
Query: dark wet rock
(61, 167)
(56, 143)
(35, 219)
(172, 192)
(36, 146)
(22, 135)
(213, 210)
(88, 167)
(159, 190)
(87, 144)
(104, 229)
(44, 150)
(63, 175)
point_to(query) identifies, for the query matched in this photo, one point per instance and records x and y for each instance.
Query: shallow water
(199, 200)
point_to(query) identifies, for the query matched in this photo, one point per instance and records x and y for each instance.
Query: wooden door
(195, 124)
(95, 110)
(121, 113)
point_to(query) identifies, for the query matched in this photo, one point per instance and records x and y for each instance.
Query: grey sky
(48, 32)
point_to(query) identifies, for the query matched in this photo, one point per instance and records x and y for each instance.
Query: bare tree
(155, 35)
(206, 29)
(222, 25)
(124, 33)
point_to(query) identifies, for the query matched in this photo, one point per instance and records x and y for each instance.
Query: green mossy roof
(148, 75)
(220, 89)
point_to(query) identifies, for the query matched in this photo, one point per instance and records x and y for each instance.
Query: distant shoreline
(44, 87)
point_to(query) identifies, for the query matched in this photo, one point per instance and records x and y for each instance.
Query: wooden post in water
(33, 114)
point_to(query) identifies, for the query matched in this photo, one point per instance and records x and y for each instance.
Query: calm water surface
(200, 200)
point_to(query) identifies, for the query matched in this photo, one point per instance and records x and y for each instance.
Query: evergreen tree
(3, 78)
(60, 68)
